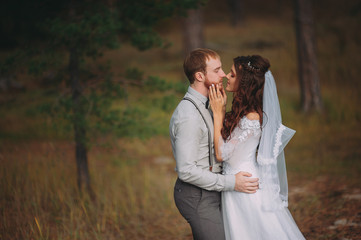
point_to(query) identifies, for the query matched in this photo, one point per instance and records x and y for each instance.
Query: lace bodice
(241, 147)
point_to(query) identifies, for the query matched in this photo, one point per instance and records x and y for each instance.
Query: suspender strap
(209, 132)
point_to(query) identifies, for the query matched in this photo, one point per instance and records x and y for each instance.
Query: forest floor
(133, 180)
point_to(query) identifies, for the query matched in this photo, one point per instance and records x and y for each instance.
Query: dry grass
(133, 180)
(39, 199)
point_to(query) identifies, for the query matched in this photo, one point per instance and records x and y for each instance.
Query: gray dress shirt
(189, 137)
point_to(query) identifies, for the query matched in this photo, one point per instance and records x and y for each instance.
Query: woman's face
(232, 83)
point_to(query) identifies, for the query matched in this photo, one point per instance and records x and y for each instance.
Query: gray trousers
(201, 209)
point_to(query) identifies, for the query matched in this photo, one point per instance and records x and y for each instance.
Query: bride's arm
(218, 101)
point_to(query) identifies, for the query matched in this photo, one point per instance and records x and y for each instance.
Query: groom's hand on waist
(246, 184)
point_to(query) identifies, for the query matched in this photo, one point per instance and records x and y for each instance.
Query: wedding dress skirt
(243, 216)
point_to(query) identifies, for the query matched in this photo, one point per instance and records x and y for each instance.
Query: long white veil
(271, 159)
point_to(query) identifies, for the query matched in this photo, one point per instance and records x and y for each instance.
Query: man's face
(214, 73)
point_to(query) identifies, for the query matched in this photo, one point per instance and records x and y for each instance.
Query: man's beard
(207, 83)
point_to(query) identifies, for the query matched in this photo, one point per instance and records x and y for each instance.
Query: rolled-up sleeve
(187, 134)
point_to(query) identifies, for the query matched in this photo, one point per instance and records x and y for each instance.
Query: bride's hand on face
(217, 99)
(223, 92)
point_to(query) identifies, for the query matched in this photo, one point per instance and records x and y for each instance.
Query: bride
(251, 138)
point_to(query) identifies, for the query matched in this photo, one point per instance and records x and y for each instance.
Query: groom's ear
(199, 76)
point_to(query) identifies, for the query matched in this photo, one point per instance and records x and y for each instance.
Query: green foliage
(7, 65)
(83, 30)
(146, 39)
(168, 103)
(180, 87)
(134, 74)
(90, 33)
(139, 18)
(133, 124)
(154, 83)
(102, 115)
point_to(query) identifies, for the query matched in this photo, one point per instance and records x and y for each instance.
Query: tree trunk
(307, 59)
(79, 112)
(193, 30)
(237, 12)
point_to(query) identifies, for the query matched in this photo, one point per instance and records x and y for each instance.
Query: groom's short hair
(196, 61)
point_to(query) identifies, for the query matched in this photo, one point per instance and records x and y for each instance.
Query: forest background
(131, 165)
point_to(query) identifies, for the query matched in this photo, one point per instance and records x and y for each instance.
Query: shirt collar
(197, 95)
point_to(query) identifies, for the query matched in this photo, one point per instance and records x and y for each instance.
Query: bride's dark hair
(250, 77)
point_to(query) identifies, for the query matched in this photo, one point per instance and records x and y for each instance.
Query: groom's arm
(187, 135)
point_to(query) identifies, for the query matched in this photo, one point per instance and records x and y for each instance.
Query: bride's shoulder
(250, 121)
(253, 116)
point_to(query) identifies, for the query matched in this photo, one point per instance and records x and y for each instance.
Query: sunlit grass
(40, 200)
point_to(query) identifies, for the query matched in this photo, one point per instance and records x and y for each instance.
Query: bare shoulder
(253, 116)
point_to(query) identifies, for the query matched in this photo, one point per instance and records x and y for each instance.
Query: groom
(197, 189)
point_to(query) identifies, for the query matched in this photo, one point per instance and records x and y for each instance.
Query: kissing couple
(232, 181)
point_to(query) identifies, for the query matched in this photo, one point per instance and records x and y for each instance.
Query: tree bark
(307, 59)
(237, 12)
(83, 177)
(193, 30)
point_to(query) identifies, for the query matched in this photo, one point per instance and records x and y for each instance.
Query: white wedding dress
(243, 215)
